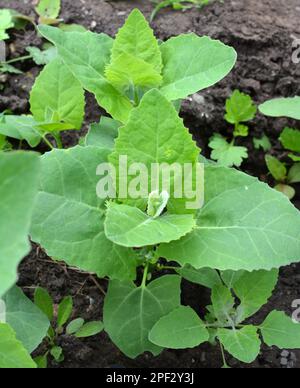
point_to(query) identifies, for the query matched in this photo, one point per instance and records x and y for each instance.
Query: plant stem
(18, 59)
(48, 142)
(57, 138)
(143, 285)
(223, 356)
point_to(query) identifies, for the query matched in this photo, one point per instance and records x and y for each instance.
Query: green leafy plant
(56, 106)
(290, 140)
(59, 316)
(48, 11)
(178, 5)
(239, 109)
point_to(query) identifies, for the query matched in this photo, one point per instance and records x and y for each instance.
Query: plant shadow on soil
(262, 33)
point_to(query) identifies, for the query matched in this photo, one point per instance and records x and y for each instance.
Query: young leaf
(225, 153)
(19, 174)
(6, 22)
(282, 107)
(130, 312)
(44, 302)
(88, 66)
(57, 353)
(90, 329)
(239, 208)
(223, 303)
(279, 330)
(103, 134)
(74, 326)
(130, 227)
(243, 344)
(65, 309)
(48, 9)
(136, 38)
(276, 168)
(180, 329)
(231, 277)
(136, 58)
(192, 63)
(294, 174)
(12, 353)
(254, 290)
(263, 143)
(239, 108)
(42, 57)
(290, 139)
(287, 190)
(206, 277)
(21, 128)
(154, 134)
(68, 217)
(27, 320)
(57, 96)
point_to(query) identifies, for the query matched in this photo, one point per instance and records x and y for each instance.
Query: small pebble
(284, 362)
(285, 354)
(93, 24)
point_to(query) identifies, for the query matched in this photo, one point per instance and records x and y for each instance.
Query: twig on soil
(97, 285)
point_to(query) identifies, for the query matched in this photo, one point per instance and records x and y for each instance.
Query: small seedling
(239, 109)
(48, 11)
(59, 316)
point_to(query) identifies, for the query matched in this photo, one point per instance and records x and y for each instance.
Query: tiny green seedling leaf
(294, 174)
(280, 330)
(243, 344)
(263, 142)
(57, 353)
(227, 154)
(287, 190)
(6, 22)
(282, 107)
(240, 108)
(44, 302)
(74, 326)
(276, 168)
(65, 309)
(180, 329)
(48, 9)
(130, 227)
(157, 203)
(90, 329)
(290, 139)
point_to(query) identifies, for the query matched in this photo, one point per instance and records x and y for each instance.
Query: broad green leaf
(180, 329)
(192, 63)
(21, 128)
(244, 224)
(263, 142)
(136, 38)
(254, 290)
(64, 312)
(290, 139)
(12, 353)
(280, 330)
(239, 108)
(276, 168)
(282, 107)
(130, 227)
(243, 344)
(206, 277)
(27, 320)
(74, 326)
(48, 9)
(127, 71)
(130, 312)
(90, 329)
(223, 303)
(44, 302)
(227, 154)
(103, 134)
(231, 277)
(87, 54)
(153, 134)
(68, 217)
(6, 22)
(57, 96)
(18, 188)
(294, 173)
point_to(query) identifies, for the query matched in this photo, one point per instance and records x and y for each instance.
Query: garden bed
(262, 34)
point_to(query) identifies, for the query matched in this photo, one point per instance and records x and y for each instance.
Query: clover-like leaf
(227, 154)
(290, 139)
(239, 108)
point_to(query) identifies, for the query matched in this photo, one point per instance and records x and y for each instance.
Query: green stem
(18, 59)
(57, 138)
(143, 285)
(48, 142)
(223, 356)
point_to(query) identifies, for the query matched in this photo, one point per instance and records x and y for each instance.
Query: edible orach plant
(234, 244)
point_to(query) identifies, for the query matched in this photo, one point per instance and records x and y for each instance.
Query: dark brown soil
(262, 33)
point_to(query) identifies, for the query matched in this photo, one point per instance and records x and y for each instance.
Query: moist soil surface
(262, 33)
